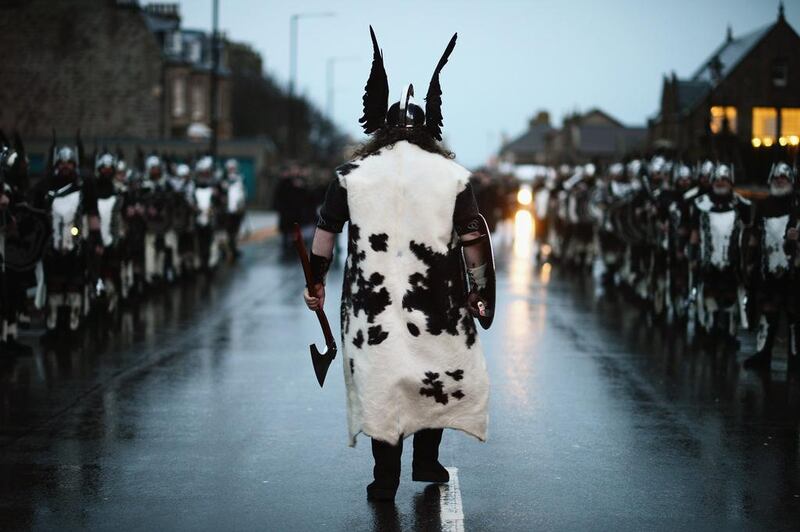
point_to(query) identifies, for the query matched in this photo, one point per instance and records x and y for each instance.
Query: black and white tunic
(412, 358)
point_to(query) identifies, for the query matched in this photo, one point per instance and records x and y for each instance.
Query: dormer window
(780, 73)
(195, 51)
(175, 43)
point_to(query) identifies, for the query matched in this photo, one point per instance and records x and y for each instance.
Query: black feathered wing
(433, 100)
(376, 92)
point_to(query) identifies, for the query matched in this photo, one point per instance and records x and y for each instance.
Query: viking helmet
(616, 170)
(204, 164)
(151, 162)
(182, 170)
(105, 159)
(405, 112)
(634, 169)
(723, 171)
(781, 169)
(706, 168)
(66, 154)
(681, 171)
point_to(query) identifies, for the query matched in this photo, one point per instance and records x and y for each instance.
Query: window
(719, 114)
(179, 96)
(198, 102)
(780, 73)
(790, 126)
(764, 125)
(195, 51)
(175, 43)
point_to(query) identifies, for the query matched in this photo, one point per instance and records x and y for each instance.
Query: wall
(82, 63)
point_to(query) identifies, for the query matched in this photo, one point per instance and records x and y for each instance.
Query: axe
(320, 361)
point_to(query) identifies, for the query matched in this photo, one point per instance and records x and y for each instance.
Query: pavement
(200, 411)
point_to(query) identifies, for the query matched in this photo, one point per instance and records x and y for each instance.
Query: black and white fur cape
(412, 358)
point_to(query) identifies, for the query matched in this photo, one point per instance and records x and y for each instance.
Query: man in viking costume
(720, 221)
(412, 360)
(23, 236)
(104, 260)
(75, 228)
(776, 223)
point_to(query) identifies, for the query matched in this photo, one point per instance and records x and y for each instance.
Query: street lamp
(330, 81)
(293, 43)
(293, 72)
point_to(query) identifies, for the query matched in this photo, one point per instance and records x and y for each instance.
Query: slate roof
(532, 141)
(609, 140)
(690, 93)
(729, 54)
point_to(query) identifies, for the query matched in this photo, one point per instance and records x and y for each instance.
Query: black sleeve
(465, 212)
(334, 211)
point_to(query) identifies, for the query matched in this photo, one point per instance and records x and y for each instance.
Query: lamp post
(213, 92)
(293, 30)
(330, 82)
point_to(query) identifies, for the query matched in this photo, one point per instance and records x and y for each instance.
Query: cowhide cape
(412, 358)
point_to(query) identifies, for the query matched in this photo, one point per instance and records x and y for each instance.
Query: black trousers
(387, 456)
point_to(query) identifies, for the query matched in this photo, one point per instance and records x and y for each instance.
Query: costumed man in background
(679, 231)
(206, 197)
(104, 263)
(133, 216)
(184, 218)
(233, 187)
(412, 360)
(24, 232)
(72, 213)
(156, 196)
(715, 244)
(776, 222)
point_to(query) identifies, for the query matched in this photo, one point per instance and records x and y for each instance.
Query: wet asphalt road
(201, 412)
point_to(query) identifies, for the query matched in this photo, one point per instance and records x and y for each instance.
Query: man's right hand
(315, 302)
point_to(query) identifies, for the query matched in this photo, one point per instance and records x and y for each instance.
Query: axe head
(322, 361)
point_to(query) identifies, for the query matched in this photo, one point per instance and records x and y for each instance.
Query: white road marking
(452, 513)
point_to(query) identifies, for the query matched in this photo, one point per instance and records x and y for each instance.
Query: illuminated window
(719, 114)
(765, 124)
(198, 102)
(790, 122)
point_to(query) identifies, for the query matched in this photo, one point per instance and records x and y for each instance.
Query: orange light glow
(525, 196)
(523, 234)
(544, 274)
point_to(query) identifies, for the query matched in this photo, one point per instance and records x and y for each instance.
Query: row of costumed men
(685, 242)
(94, 232)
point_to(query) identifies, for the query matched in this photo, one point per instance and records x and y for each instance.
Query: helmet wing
(433, 100)
(376, 92)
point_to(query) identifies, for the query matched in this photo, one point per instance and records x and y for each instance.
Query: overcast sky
(513, 57)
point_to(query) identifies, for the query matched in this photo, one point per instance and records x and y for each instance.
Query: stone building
(111, 67)
(593, 136)
(529, 148)
(742, 103)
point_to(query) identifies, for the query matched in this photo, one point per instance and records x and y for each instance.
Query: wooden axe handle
(301, 250)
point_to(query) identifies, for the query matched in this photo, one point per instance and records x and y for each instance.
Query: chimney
(164, 10)
(729, 34)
